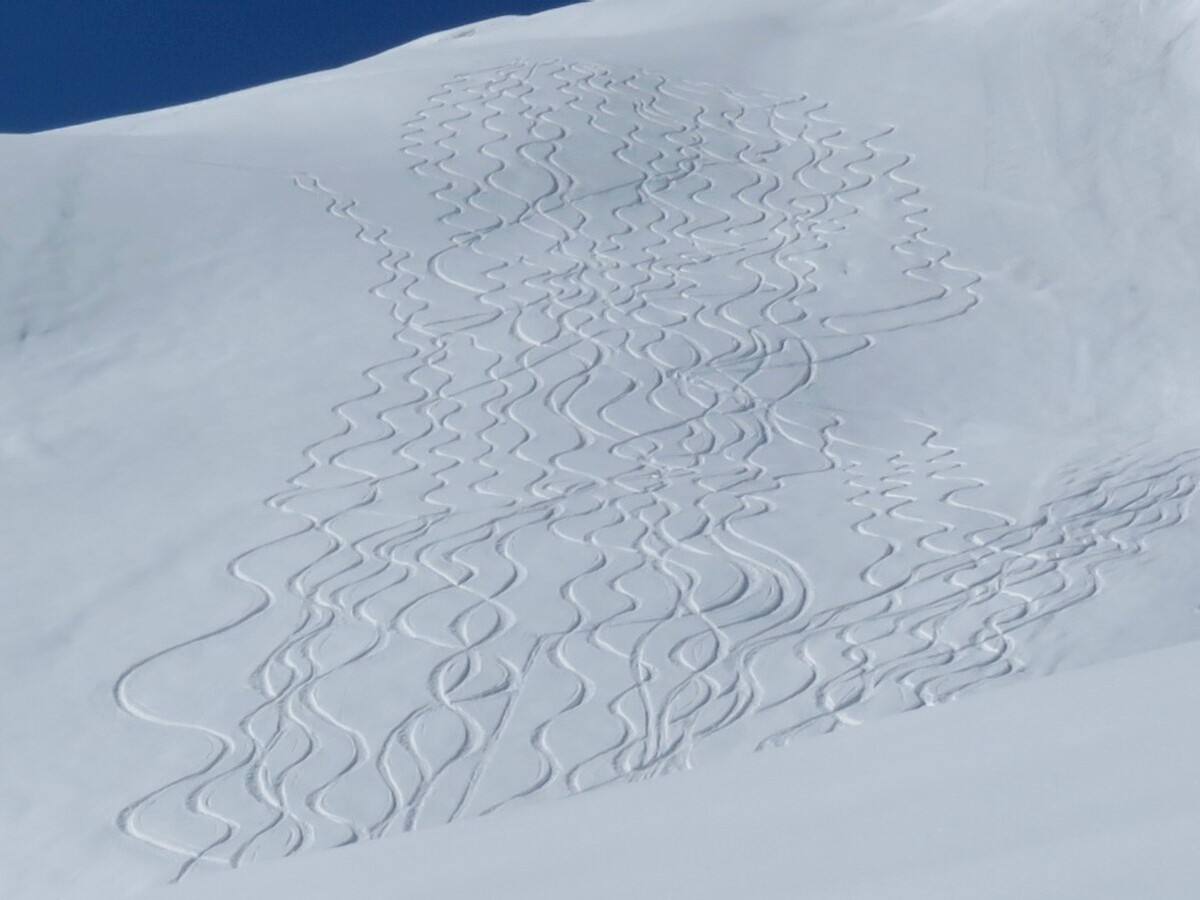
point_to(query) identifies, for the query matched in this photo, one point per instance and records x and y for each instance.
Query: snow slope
(995, 797)
(570, 400)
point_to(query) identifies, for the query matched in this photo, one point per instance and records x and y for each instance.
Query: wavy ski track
(606, 365)
(950, 625)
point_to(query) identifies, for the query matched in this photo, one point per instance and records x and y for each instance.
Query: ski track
(613, 373)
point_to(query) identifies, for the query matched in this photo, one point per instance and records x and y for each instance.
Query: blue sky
(69, 61)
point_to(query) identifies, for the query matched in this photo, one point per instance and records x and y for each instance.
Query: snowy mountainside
(545, 405)
(998, 792)
(605, 367)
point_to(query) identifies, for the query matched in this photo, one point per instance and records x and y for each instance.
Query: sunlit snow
(573, 400)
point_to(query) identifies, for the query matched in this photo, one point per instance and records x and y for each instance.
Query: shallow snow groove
(547, 548)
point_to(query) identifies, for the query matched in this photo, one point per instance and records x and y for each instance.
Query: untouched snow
(991, 798)
(571, 400)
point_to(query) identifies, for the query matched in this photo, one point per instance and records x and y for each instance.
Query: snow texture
(573, 400)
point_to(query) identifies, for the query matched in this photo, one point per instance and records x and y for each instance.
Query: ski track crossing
(545, 548)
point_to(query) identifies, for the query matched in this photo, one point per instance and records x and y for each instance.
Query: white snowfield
(571, 400)
(1072, 789)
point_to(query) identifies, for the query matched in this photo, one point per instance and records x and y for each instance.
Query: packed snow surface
(992, 798)
(572, 400)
